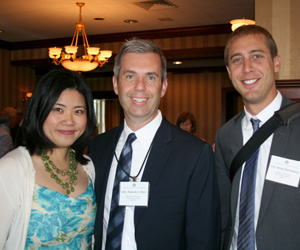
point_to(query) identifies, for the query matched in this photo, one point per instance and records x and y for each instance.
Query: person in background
(187, 122)
(9, 121)
(15, 131)
(264, 210)
(160, 192)
(46, 185)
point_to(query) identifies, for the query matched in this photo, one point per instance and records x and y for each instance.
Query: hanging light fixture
(240, 22)
(92, 57)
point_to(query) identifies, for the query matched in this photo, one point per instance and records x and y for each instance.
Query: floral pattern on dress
(59, 221)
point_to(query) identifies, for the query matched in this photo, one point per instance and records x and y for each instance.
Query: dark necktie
(117, 213)
(246, 234)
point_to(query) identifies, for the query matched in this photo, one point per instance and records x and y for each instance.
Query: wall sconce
(177, 62)
(240, 22)
(26, 96)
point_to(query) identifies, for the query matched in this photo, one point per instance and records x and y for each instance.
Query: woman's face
(67, 120)
(187, 125)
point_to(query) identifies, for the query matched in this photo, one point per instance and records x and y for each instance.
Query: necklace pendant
(72, 171)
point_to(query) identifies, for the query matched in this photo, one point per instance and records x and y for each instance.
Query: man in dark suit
(181, 208)
(252, 61)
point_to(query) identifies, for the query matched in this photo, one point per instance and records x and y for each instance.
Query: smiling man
(264, 213)
(160, 191)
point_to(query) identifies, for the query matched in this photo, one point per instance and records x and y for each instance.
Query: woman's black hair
(44, 97)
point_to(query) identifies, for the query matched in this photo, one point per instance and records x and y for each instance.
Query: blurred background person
(187, 122)
(8, 122)
(46, 185)
(15, 131)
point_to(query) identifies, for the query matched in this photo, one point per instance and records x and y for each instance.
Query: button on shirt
(263, 158)
(140, 148)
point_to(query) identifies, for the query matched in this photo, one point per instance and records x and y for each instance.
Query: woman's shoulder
(16, 166)
(17, 157)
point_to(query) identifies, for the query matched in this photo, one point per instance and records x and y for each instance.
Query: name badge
(134, 194)
(284, 171)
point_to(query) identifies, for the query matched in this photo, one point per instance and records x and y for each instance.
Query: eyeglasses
(185, 124)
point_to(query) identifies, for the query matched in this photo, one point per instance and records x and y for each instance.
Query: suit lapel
(104, 163)
(235, 145)
(110, 147)
(156, 162)
(279, 145)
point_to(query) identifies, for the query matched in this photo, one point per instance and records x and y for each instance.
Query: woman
(186, 121)
(46, 185)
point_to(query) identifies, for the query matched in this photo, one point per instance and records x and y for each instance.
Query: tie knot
(255, 124)
(131, 138)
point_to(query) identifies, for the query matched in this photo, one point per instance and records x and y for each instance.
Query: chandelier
(240, 22)
(92, 57)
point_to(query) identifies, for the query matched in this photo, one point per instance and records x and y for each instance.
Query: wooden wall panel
(199, 93)
(5, 79)
(166, 43)
(14, 82)
(100, 83)
(23, 81)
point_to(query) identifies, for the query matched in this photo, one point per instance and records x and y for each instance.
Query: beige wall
(281, 19)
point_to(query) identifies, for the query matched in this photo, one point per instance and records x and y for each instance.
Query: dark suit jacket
(183, 210)
(278, 224)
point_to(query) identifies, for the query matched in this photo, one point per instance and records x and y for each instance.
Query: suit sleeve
(223, 180)
(203, 204)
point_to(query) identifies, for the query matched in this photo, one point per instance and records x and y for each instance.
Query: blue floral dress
(61, 222)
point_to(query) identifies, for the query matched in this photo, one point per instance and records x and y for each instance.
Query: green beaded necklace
(53, 171)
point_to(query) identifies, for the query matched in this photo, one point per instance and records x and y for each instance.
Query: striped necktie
(117, 213)
(246, 234)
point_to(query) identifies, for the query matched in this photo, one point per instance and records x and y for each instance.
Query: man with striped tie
(156, 185)
(260, 207)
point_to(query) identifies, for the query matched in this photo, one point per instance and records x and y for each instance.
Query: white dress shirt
(140, 148)
(263, 157)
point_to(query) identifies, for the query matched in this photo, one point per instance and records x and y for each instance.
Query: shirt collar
(266, 113)
(147, 132)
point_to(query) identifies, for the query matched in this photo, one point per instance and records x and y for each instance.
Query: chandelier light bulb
(54, 52)
(93, 51)
(71, 49)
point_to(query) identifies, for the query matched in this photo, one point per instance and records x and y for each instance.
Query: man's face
(252, 71)
(140, 88)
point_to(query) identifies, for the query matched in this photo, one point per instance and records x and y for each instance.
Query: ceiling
(50, 19)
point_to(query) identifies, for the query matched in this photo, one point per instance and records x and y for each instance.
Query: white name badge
(284, 171)
(134, 194)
